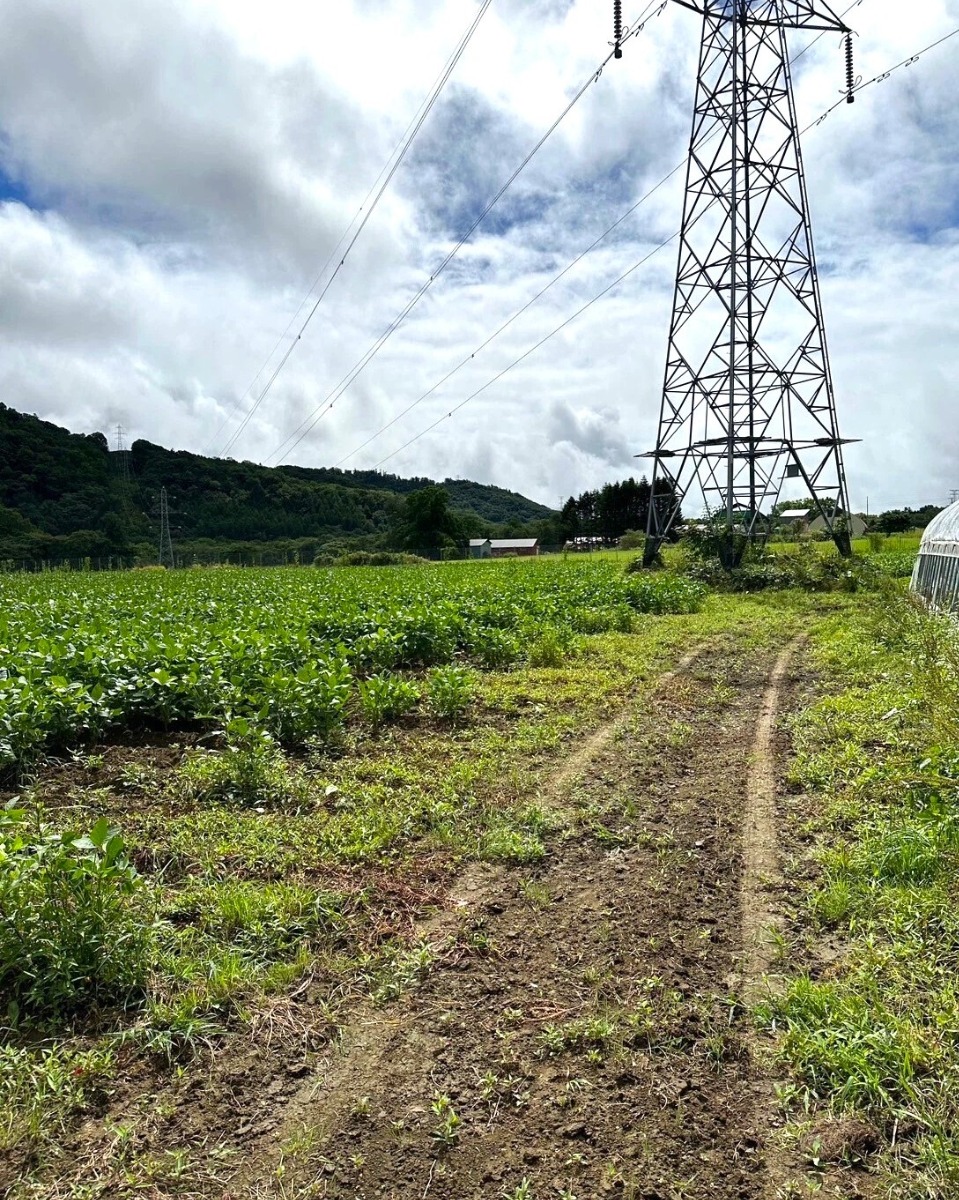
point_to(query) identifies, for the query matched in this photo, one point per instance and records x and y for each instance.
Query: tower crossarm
(791, 14)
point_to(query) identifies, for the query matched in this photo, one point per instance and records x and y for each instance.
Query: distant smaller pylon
(121, 456)
(166, 543)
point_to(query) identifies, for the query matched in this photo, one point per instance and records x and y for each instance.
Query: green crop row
(81, 655)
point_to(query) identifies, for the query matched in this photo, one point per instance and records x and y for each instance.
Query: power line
(526, 353)
(403, 146)
(407, 144)
(293, 440)
(332, 255)
(884, 75)
(519, 312)
(429, 428)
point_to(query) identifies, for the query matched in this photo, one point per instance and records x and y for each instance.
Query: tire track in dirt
(761, 872)
(579, 1024)
(598, 741)
(352, 1065)
(762, 881)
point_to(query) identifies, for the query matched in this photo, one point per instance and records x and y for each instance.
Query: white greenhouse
(936, 573)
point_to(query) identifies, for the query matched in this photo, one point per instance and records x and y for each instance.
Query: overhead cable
(542, 292)
(883, 76)
(293, 440)
(392, 169)
(519, 312)
(526, 353)
(397, 149)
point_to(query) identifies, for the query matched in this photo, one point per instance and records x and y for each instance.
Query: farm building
(814, 522)
(936, 573)
(794, 516)
(505, 547)
(857, 526)
(480, 548)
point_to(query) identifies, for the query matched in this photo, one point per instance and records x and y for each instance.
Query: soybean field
(285, 649)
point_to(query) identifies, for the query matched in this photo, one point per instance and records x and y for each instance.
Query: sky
(173, 178)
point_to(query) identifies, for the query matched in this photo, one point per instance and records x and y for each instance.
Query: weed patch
(75, 928)
(876, 1035)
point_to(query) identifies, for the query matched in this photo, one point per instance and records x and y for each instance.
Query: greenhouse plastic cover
(941, 535)
(936, 574)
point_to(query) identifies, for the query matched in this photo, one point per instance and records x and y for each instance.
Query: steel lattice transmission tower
(121, 456)
(748, 396)
(166, 542)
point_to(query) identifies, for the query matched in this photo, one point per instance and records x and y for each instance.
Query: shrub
(632, 539)
(807, 569)
(450, 690)
(386, 697)
(74, 930)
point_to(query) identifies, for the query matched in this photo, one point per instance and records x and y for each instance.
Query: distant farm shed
(936, 573)
(480, 548)
(857, 526)
(813, 521)
(505, 547)
(793, 516)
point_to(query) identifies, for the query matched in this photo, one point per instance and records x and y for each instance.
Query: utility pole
(747, 396)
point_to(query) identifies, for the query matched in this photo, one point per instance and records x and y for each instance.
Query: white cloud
(187, 168)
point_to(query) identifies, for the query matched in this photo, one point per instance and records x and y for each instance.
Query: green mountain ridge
(66, 495)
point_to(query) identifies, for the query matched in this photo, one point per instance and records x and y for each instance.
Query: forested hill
(66, 494)
(492, 503)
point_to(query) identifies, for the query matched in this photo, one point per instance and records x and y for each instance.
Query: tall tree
(426, 521)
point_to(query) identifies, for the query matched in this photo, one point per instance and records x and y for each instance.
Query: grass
(876, 1033)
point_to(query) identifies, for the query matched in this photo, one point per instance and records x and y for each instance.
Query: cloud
(177, 175)
(596, 432)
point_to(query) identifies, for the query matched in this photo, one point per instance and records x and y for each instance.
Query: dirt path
(580, 1032)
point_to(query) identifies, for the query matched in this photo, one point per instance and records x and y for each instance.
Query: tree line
(614, 509)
